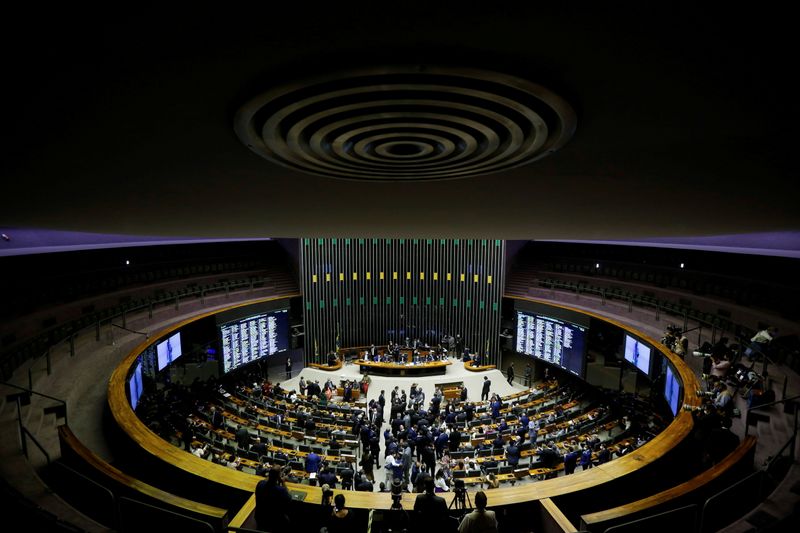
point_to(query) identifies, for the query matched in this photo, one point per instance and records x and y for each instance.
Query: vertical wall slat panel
(440, 307)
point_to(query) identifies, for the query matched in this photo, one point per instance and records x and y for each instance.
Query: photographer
(430, 510)
(272, 503)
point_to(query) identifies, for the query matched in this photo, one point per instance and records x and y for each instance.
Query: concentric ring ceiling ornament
(405, 124)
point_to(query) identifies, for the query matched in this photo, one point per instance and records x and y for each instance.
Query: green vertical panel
(442, 242)
(455, 302)
(469, 242)
(347, 301)
(455, 242)
(497, 242)
(374, 300)
(494, 306)
(320, 242)
(308, 306)
(360, 241)
(402, 241)
(414, 300)
(335, 302)
(441, 301)
(347, 242)
(322, 304)
(430, 241)
(333, 241)
(483, 242)
(416, 241)
(388, 300)
(360, 300)
(306, 241)
(402, 300)
(469, 303)
(427, 300)
(482, 305)
(374, 241)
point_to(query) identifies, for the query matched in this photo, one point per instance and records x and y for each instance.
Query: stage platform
(453, 372)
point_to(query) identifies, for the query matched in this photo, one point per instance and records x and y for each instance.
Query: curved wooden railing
(121, 484)
(677, 495)
(481, 368)
(660, 445)
(328, 368)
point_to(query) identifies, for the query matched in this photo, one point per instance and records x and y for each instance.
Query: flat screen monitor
(135, 384)
(672, 390)
(251, 338)
(637, 353)
(552, 340)
(168, 350)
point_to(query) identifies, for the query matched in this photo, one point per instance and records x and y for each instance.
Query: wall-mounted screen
(672, 390)
(637, 353)
(248, 339)
(552, 340)
(135, 385)
(168, 350)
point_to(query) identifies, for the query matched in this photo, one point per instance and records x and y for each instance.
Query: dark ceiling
(123, 122)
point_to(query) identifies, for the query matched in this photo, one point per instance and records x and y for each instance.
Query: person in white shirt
(440, 481)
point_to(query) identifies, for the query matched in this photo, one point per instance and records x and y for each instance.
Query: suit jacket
(430, 506)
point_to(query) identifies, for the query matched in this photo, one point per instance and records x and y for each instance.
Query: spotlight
(681, 265)
(127, 262)
(597, 265)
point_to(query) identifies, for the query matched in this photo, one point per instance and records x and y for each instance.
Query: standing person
(528, 372)
(485, 391)
(288, 368)
(479, 520)
(430, 510)
(272, 503)
(302, 385)
(367, 465)
(382, 402)
(341, 520)
(510, 373)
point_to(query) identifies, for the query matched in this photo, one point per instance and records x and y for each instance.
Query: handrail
(770, 404)
(130, 330)
(776, 402)
(34, 392)
(36, 442)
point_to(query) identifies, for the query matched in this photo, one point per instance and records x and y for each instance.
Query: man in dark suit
(243, 438)
(430, 510)
(455, 440)
(216, 418)
(486, 385)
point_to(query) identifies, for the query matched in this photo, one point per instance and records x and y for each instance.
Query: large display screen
(553, 340)
(254, 337)
(672, 391)
(135, 385)
(168, 350)
(637, 353)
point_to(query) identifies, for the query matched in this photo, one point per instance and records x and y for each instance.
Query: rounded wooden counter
(676, 432)
(430, 368)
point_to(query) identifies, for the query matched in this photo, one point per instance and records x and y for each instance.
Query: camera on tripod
(397, 495)
(460, 496)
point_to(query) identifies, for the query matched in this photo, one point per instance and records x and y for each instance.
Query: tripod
(460, 499)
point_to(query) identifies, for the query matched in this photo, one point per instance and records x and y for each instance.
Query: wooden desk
(481, 368)
(394, 369)
(327, 368)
